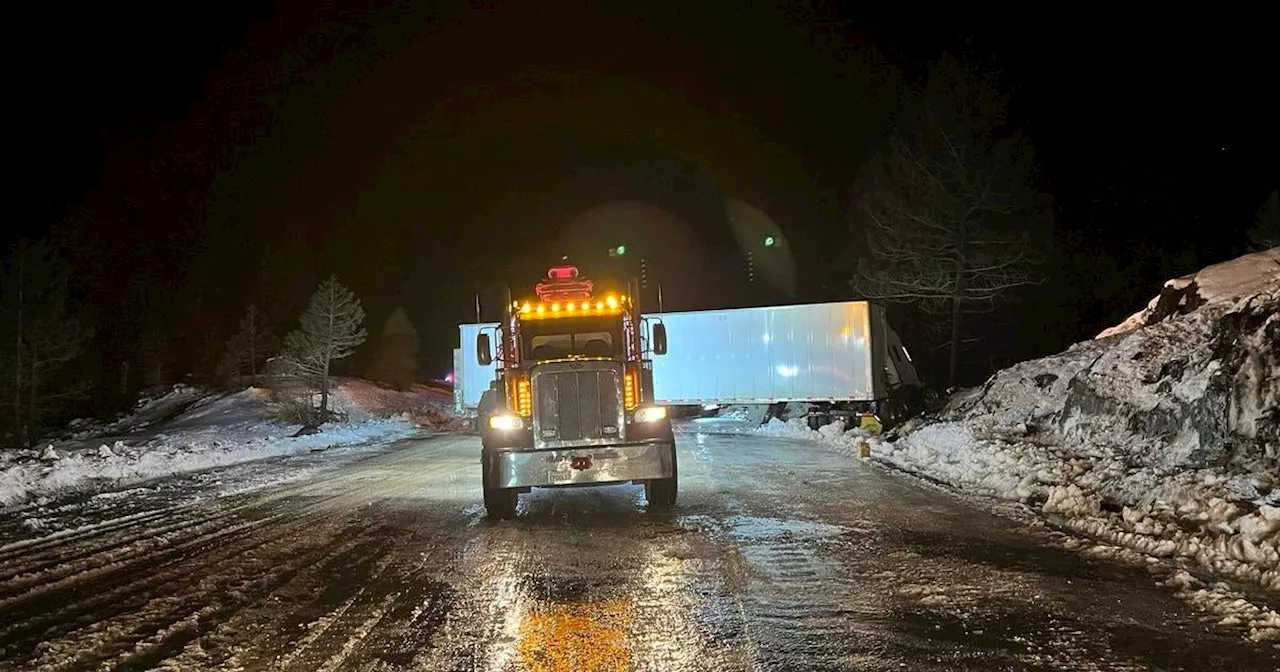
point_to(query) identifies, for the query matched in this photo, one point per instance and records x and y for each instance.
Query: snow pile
(1229, 605)
(834, 435)
(739, 413)
(735, 419)
(1214, 516)
(358, 399)
(181, 431)
(1227, 281)
(1164, 439)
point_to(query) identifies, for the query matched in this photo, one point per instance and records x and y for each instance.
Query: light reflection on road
(779, 556)
(587, 636)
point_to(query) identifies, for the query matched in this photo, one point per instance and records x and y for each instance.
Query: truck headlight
(651, 414)
(506, 423)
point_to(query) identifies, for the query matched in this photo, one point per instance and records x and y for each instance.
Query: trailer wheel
(819, 420)
(500, 503)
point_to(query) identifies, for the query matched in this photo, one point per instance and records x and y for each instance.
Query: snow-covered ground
(1160, 439)
(187, 429)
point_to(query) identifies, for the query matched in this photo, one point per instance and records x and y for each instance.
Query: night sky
(190, 161)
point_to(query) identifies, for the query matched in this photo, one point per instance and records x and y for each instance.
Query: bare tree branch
(947, 205)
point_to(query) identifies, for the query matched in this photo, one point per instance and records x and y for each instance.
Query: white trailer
(470, 379)
(827, 353)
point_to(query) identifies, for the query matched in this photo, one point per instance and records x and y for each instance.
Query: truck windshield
(571, 336)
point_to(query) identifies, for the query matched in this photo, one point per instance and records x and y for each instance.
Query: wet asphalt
(780, 555)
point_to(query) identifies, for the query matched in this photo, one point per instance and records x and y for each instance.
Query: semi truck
(570, 401)
(839, 359)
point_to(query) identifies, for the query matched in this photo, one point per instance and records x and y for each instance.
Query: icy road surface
(780, 556)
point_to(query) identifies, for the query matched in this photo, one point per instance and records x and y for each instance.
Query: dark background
(192, 157)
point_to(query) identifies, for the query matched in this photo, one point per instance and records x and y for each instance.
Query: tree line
(951, 222)
(954, 219)
(46, 333)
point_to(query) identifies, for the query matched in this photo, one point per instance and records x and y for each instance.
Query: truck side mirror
(484, 353)
(659, 339)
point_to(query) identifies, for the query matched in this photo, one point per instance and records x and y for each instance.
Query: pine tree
(249, 348)
(331, 328)
(395, 361)
(41, 335)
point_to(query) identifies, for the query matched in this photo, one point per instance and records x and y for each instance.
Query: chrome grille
(577, 405)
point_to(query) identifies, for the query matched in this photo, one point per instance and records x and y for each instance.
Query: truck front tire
(661, 492)
(500, 503)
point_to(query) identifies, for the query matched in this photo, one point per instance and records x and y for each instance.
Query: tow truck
(571, 403)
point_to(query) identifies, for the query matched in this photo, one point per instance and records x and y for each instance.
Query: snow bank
(122, 463)
(1162, 438)
(188, 430)
(1227, 281)
(1218, 518)
(361, 399)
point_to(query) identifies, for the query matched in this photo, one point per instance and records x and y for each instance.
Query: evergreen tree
(331, 328)
(42, 334)
(396, 359)
(250, 347)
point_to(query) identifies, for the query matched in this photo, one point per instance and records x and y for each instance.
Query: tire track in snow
(117, 552)
(177, 631)
(59, 609)
(34, 561)
(176, 574)
(277, 576)
(220, 641)
(59, 549)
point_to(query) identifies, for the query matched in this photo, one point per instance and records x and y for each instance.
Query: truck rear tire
(500, 503)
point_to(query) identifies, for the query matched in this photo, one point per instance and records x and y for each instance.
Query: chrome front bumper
(581, 466)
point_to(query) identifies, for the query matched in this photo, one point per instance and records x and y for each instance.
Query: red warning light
(564, 283)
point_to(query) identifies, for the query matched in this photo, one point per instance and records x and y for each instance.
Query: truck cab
(572, 401)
